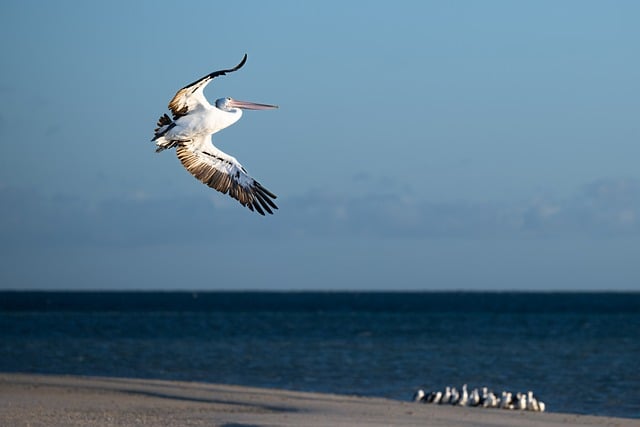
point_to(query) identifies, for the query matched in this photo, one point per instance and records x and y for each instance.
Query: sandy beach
(43, 400)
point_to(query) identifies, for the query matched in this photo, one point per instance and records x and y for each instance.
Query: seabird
(474, 397)
(464, 397)
(521, 401)
(446, 397)
(189, 131)
(532, 403)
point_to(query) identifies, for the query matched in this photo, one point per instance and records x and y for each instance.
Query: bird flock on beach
(482, 398)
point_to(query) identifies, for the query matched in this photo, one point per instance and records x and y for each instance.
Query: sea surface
(578, 352)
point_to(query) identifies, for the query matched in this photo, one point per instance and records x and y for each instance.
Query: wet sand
(43, 400)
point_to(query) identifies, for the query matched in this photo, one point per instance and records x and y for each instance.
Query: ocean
(578, 352)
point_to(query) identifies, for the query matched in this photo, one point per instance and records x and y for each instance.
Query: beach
(47, 400)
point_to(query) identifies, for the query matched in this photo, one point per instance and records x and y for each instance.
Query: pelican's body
(189, 132)
(204, 120)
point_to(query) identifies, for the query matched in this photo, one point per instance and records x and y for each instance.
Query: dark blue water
(579, 352)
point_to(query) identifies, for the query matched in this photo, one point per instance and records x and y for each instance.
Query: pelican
(189, 132)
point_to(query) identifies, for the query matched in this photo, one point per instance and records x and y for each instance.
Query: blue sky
(418, 145)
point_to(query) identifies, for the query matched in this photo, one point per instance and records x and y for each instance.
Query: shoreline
(45, 400)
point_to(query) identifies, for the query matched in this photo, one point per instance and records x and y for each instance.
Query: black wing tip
(257, 207)
(241, 64)
(264, 202)
(265, 197)
(230, 70)
(263, 190)
(261, 204)
(209, 76)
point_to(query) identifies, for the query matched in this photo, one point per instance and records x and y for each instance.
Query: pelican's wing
(224, 173)
(192, 95)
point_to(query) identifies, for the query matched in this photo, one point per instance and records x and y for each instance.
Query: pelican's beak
(245, 105)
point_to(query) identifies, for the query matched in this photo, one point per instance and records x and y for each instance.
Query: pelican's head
(228, 104)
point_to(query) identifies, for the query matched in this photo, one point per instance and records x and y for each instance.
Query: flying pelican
(189, 131)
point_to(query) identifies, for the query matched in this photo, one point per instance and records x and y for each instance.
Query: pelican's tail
(164, 124)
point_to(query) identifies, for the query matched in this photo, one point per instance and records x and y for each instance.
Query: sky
(449, 145)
